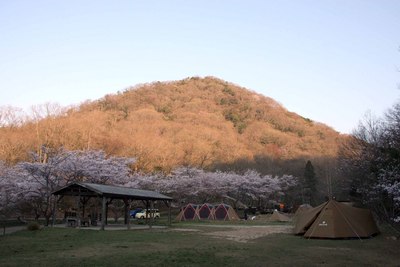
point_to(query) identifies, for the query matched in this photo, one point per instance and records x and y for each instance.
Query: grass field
(188, 245)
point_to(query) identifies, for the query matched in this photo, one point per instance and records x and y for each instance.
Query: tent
(278, 216)
(225, 212)
(207, 212)
(302, 208)
(333, 219)
(188, 213)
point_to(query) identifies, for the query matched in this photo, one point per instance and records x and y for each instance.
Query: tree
(35, 181)
(373, 157)
(11, 116)
(310, 184)
(6, 190)
(31, 184)
(94, 166)
(189, 184)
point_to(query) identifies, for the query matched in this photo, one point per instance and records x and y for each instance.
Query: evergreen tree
(310, 184)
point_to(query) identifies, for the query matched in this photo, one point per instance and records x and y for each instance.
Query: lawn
(188, 245)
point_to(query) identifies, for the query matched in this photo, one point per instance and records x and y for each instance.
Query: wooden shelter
(107, 193)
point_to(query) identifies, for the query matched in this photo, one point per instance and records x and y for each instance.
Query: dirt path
(248, 233)
(240, 233)
(12, 229)
(236, 233)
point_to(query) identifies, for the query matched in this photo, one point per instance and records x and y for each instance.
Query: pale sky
(330, 61)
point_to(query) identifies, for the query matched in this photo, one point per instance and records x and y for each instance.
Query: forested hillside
(201, 122)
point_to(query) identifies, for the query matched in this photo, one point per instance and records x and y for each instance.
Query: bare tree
(11, 116)
(372, 157)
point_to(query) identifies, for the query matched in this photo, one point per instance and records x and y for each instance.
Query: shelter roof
(119, 192)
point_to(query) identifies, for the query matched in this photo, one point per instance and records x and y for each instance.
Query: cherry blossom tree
(252, 187)
(14, 191)
(94, 166)
(35, 181)
(188, 184)
(5, 190)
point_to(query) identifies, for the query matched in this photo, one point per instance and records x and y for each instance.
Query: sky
(330, 61)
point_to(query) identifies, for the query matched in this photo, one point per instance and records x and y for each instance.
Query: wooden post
(108, 203)
(83, 200)
(103, 213)
(151, 214)
(78, 212)
(129, 216)
(54, 212)
(147, 212)
(169, 213)
(126, 211)
(96, 208)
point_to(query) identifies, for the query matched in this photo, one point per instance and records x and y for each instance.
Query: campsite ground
(193, 244)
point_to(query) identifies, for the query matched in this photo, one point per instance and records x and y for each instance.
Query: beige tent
(188, 213)
(302, 208)
(277, 216)
(224, 212)
(333, 219)
(207, 211)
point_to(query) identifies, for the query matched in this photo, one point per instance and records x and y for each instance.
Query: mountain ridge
(195, 121)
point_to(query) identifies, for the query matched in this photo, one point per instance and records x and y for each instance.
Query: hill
(203, 122)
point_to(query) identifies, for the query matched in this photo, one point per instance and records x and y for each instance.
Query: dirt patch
(185, 230)
(330, 248)
(248, 233)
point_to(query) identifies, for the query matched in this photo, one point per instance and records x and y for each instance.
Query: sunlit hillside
(201, 122)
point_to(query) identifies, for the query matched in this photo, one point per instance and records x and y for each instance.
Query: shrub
(228, 91)
(33, 226)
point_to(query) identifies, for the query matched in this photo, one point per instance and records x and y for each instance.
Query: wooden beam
(126, 210)
(103, 213)
(54, 211)
(78, 212)
(129, 216)
(169, 213)
(151, 214)
(147, 212)
(168, 204)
